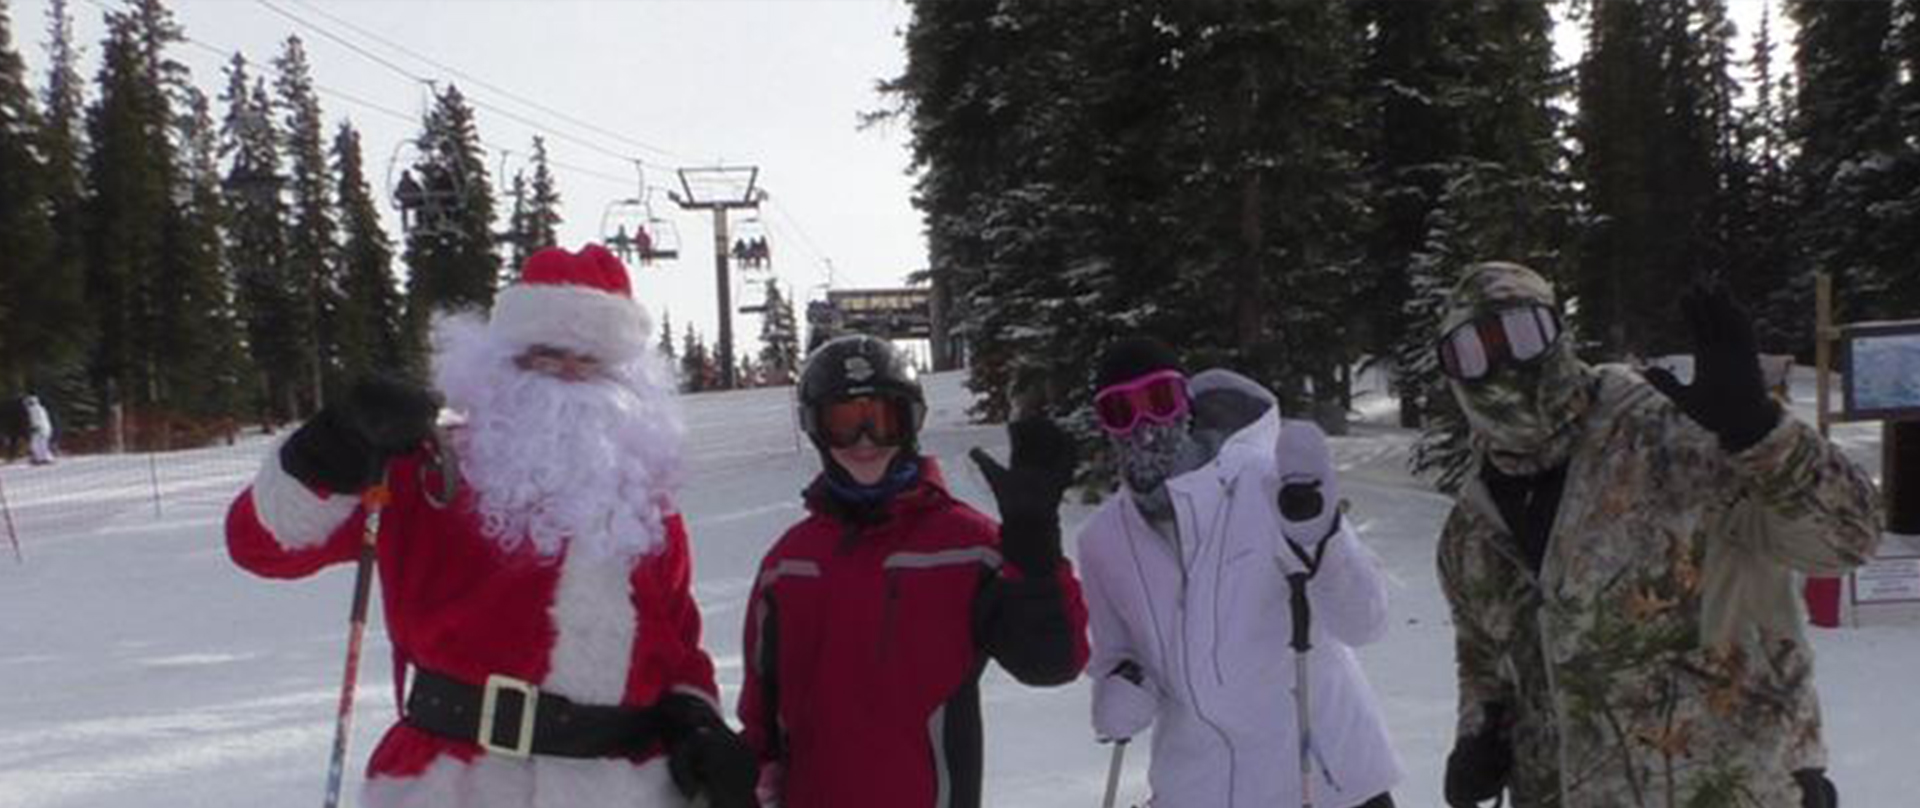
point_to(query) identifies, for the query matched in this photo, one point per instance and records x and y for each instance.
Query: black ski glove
(1480, 764)
(1044, 459)
(343, 447)
(1727, 396)
(705, 757)
(1816, 791)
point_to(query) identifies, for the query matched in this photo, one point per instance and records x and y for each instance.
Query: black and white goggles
(1518, 336)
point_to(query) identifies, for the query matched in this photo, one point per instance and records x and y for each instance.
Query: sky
(779, 85)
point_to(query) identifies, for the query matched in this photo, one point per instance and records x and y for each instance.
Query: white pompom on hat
(582, 302)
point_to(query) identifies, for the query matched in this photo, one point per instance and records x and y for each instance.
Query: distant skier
(541, 590)
(39, 431)
(1621, 564)
(873, 617)
(1186, 571)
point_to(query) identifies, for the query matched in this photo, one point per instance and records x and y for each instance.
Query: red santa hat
(580, 301)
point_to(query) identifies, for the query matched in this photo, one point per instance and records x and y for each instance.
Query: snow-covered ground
(139, 667)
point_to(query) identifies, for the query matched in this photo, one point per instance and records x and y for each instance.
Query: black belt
(510, 717)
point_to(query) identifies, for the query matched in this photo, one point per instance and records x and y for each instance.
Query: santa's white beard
(553, 464)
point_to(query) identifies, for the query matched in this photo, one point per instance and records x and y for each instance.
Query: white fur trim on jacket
(541, 782)
(297, 517)
(613, 328)
(594, 625)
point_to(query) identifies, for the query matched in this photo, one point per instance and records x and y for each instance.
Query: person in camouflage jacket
(1620, 564)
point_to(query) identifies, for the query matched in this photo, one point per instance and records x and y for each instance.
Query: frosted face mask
(1153, 452)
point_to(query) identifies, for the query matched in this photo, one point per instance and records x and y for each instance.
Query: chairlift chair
(427, 201)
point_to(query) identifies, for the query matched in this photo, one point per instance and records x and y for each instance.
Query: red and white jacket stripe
(593, 630)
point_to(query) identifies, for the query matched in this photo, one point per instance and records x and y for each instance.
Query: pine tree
(55, 294)
(519, 243)
(451, 258)
(311, 264)
(368, 323)
(665, 347)
(130, 186)
(257, 242)
(779, 339)
(1898, 215)
(1655, 102)
(199, 362)
(543, 214)
(1761, 252)
(26, 231)
(697, 372)
(1845, 139)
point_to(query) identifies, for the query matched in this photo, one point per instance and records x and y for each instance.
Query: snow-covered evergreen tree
(26, 230)
(452, 260)
(369, 320)
(779, 339)
(257, 240)
(311, 264)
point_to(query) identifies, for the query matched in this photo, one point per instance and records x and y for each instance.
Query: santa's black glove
(344, 446)
(1480, 764)
(1727, 396)
(1028, 493)
(705, 757)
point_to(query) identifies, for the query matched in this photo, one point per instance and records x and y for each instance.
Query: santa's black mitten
(344, 446)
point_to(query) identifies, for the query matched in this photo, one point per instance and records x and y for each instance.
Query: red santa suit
(593, 627)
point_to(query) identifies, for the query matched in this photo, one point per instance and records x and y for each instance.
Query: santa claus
(539, 587)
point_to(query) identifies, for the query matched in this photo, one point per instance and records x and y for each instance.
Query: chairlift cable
(588, 125)
(474, 100)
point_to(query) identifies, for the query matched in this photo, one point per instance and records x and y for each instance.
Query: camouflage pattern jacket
(1658, 658)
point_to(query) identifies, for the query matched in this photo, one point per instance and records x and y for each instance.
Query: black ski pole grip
(1302, 610)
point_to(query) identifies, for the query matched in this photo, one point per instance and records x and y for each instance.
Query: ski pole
(374, 500)
(1113, 773)
(1302, 619)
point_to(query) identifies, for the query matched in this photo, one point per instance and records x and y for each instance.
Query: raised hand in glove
(1028, 493)
(1480, 764)
(1727, 396)
(1309, 495)
(344, 447)
(705, 757)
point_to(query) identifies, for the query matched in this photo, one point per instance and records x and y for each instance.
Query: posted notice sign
(1888, 579)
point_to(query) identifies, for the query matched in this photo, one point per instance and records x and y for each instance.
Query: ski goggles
(1519, 335)
(885, 421)
(1160, 397)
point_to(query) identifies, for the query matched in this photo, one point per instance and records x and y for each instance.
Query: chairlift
(427, 192)
(750, 245)
(634, 232)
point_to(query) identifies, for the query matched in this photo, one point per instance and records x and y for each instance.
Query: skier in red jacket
(872, 618)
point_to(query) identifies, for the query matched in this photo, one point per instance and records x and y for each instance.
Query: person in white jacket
(1185, 574)
(40, 431)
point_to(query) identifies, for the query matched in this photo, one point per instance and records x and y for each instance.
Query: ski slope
(139, 667)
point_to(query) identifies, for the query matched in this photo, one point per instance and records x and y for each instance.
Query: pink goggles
(1160, 397)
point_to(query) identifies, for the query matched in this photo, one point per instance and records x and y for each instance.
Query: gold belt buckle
(489, 700)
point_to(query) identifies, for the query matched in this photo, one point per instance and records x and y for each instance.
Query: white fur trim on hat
(610, 327)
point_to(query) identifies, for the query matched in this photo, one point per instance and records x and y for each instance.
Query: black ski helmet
(858, 365)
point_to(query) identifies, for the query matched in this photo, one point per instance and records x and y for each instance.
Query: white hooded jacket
(1208, 622)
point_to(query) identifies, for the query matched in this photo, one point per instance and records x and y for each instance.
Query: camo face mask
(1523, 415)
